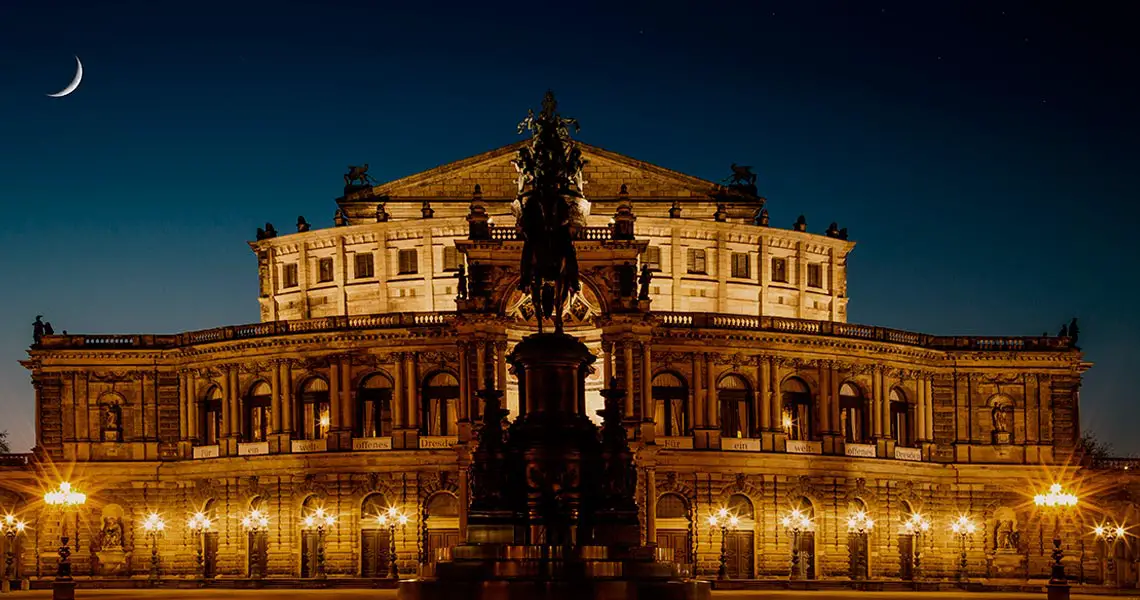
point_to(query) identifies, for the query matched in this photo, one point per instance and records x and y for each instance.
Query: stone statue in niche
(112, 534)
(1003, 535)
(644, 280)
(112, 419)
(1002, 417)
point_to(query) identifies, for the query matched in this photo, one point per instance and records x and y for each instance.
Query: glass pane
(368, 420)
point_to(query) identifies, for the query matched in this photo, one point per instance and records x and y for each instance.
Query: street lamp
(317, 521)
(964, 527)
(255, 522)
(916, 527)
(199, 524)
(795, 522)
(724, 520)
(860, 524)
(1057, 501)
(392, 519)
(154, 525)
(10, 526)
(1109, 536)
(65, 500)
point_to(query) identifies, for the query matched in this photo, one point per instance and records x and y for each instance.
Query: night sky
(982, 154)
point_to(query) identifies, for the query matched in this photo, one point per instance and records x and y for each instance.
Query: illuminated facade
(745, 388)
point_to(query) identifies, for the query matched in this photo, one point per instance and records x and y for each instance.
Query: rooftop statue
(358, 173)
(550, 205)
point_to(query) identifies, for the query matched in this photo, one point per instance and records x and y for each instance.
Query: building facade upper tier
(393, 246)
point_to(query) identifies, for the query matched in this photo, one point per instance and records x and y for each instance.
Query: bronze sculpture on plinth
(553, 513)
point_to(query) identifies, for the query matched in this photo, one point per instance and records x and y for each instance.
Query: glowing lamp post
(916, 527)
(255, 522)
(318, 521)
(963, 527)
(154, 526)
(392, 519)
(1057, 501)
(65, 500)
(199, 525)
(1109, 536)
(11, 527)
(860, 524)
(725, 521)
(795, 522)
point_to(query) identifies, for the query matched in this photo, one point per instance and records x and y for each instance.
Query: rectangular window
(652, 258)
(780, 270)
(409, 262)
(741, 267)
(289, 275)
(363, 265)
(815, 275)
(450, 258)
(697, 261)
(324, 270)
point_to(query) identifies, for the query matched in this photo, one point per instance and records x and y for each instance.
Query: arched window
(210, 417)
(670, 401)
(852, 414)
(258, 412)
(374, 402)
(314, 409)
(798, 414)
(900, 418)
(111, 417)
(440, 405)
(672, 506)
(441, 524)
(735, 397)
(741, 506)
(374, 542)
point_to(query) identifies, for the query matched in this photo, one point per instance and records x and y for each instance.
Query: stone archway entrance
(375, 559)
(441, 527)
(674, 528)
(740, 554)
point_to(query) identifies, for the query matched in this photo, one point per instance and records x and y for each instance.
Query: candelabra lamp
(859, 525)
(11, 527)
(1057, 501)
(963, 527)
(319, 521)
(392, 519)
(255, 523)
(1109, 535)
(199, 525)
(66, 500)
(916, 527)
(795, 523)
(725, 521)
(154, 526)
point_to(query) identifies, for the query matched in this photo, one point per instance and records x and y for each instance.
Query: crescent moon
(71, 87)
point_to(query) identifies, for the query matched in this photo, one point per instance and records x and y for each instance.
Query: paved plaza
(375, 594)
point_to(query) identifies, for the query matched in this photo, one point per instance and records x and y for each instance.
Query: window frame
(455, 260)
(289, 276)
(815, 275)
(693, 255)
(652, 258)
(782, 271)
(367, 259)
(746, 259)
(413, 262)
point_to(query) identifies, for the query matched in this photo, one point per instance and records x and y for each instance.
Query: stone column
(335, 418)
(648, 411)
(651, 506)
(698, 405)
(413, 397)
(480, 368)
(501, 368)
(465, 396)
(765, 400)
(920, 409)
(833, 390)
(183, 408)
(398, 391)
(192, 406)
(885, 404)
(929, 409)
(232, 399)
(607, 363)
(876, 399)
(347, 415)
(287, 407)
(777, 405)
(710, 393)
(275, 405)
(627, 354)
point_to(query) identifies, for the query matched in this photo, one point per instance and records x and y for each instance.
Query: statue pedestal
(63, 589)
(1008, 564)
(112, 562)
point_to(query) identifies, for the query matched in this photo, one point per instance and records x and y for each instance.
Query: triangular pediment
(605, 173)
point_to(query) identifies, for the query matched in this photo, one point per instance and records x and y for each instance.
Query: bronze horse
(358, 173)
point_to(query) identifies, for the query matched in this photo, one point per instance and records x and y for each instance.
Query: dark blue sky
(982, 153)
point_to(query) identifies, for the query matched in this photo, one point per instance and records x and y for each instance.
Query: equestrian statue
(550, 206)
